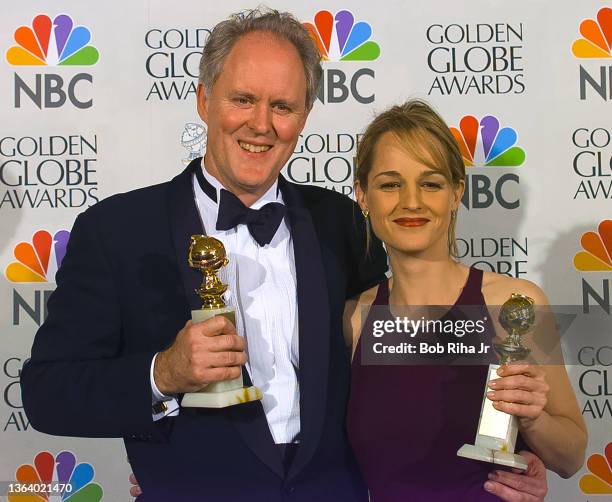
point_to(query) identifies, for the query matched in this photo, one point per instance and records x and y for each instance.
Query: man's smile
(250, 147)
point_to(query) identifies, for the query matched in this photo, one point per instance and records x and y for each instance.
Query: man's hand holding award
(205, 361)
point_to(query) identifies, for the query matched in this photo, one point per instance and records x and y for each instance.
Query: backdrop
(99, 97)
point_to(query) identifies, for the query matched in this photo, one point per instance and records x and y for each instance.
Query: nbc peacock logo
(597, 250)
(38, 260)
(61, 476)
(596, 41)
(599, 479)
(56, 42)
(484, 143)
(340, 38)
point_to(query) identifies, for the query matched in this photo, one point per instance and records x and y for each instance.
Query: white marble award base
(224, 393)
(496, 434)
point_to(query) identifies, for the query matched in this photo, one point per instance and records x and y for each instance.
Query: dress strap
(382, 295)
(471, 294)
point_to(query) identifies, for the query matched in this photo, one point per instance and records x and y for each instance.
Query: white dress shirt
(262, 290)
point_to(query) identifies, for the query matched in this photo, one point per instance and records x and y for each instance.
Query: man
(116, 338)
(125, 291)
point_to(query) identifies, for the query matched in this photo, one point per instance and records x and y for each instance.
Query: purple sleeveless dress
(406, 423)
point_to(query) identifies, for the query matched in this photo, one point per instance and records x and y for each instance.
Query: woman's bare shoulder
(497, 288)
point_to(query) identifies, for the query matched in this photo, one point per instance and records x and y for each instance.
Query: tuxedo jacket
(125, 289)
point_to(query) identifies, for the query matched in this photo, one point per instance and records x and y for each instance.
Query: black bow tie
(262, 223)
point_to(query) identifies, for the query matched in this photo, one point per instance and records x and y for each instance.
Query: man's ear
(202, 101)
(360, 196)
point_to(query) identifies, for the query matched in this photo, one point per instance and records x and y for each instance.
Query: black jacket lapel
(250, 421)
(313, 314)
(185, 222)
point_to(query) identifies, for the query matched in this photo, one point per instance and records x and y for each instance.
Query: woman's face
(409, 203)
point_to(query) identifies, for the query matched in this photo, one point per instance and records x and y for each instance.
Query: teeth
(253, 148)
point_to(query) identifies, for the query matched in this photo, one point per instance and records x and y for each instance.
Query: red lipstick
(411, 222)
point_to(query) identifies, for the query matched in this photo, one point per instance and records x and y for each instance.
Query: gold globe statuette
(208, 255)
(497, 430)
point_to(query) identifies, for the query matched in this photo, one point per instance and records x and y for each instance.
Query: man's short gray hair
(282, 24)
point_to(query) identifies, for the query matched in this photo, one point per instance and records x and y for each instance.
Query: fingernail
(488, 486)
(493, 384)
(500, 370)
(493, 476)
(491, 394)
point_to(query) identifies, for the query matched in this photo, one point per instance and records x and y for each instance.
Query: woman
(406, 423)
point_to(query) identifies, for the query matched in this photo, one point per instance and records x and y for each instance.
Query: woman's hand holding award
(497, 430)
(207, 254)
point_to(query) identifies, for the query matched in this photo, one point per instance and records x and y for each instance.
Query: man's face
(255, 112)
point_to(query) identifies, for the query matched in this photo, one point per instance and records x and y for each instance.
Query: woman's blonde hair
(427, 139)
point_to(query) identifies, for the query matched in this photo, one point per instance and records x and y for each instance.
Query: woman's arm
(549, 421)
(540, 396)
